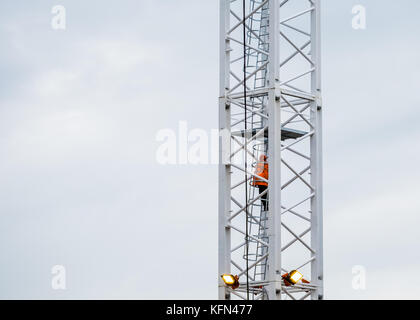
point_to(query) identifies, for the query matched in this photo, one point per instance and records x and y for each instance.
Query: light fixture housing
(294, 277)
(231, 280)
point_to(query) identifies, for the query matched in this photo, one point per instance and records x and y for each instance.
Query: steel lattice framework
(270, 103)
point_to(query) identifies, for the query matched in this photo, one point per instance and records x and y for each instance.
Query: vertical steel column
(316, 155)
(224, 167)
(274, 156)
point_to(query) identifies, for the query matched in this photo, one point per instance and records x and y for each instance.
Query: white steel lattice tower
(270, 104)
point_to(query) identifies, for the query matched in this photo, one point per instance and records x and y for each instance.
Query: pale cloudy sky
(80, 187)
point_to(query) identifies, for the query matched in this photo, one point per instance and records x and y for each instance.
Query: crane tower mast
(270, 104)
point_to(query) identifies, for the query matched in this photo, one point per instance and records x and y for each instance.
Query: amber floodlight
(231, 280)
(293, 278)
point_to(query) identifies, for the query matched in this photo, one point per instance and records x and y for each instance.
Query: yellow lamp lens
(228, 279)
(295, 276)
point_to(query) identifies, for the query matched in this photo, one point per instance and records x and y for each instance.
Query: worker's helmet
(263, 158)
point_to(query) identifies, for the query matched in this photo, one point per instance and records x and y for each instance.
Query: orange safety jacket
(261, 170)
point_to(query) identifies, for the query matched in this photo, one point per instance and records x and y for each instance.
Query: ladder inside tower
(258, 36)
(258, 222)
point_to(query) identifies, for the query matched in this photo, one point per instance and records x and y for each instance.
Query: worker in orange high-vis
(261, 170)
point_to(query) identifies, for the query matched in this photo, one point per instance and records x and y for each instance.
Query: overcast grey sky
(80, 187)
